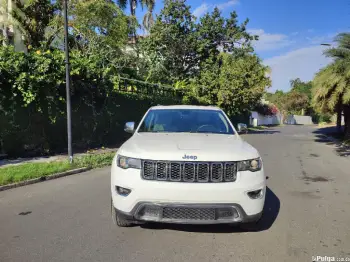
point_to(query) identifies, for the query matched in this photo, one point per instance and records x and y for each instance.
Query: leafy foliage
(171, 46)
(331, 90)
(32, 105)
(99, 23)
(295, 101)
(301, 87)
(210, 61)
(148, 17)
(34, 16)
(178, 48)
(266, 109)
(234, 83)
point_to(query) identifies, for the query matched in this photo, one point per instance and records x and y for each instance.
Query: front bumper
(188, 213)
(162, 195)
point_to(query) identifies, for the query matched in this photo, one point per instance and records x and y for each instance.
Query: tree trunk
(339, 112)
(132, 13)
(347, 121)
(4, 35)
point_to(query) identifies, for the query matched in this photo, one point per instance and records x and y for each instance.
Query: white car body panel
(173, 147)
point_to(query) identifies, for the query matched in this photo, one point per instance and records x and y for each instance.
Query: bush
(33, 107)
(322, 118)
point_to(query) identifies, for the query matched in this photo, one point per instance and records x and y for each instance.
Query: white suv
(186, 164)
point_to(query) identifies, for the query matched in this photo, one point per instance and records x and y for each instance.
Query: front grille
(168, 213)
(187, 213)
(189, 171)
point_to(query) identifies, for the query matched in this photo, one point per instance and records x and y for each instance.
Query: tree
(331, 93)
(171, 47)
(178, 47)
(218, 34)
(98, 22)
(266, 109)
(301, 87)
(34, 16)
(236, 84)
(9, 22)
(331, 90)
(295, 102)
(148, 17)
(292, 102)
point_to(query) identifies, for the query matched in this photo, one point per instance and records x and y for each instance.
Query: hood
(188, 147)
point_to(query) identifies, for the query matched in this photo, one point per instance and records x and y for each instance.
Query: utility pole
(66, 49)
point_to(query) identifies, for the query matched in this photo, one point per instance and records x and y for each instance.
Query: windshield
(186, 120)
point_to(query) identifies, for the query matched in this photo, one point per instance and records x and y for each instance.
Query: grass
(95, 160)
(26, 171)
(326, 124)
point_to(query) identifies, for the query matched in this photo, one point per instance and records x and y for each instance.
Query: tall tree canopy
(235, 83)
(177, 46)
(148, 17)
(331, 91)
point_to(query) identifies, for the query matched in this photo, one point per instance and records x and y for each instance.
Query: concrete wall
(261, 120)
(298, 120)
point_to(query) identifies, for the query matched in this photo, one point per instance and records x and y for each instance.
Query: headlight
(250, 165)
(127, 162)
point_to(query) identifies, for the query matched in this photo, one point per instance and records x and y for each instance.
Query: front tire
(117, 220)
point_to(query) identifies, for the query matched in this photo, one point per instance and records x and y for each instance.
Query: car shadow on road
(271, 211)
(329, 136)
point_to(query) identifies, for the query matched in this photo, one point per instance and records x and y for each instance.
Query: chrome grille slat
(217, 171)
(161, 170)
(148, 170)
(189, 172)
(201, 172)
(175, 172)
(230, 171)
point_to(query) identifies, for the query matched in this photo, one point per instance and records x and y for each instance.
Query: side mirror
(129, 127)
(242, 128)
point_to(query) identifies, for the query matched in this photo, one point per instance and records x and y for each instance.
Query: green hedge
(33, 107)
(100, 125)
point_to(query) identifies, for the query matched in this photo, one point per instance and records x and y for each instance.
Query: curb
(44, 178)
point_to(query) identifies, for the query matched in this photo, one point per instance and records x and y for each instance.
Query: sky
(290, 32)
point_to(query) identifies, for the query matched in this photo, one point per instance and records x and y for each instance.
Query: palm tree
(9, 23)
(331, 86)
(148, 17)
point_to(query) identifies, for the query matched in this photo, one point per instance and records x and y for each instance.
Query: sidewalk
(60, 157)
(328, 134)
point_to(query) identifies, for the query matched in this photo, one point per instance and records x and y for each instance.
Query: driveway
(307, 214)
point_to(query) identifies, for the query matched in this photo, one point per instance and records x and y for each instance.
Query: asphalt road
(307, 213)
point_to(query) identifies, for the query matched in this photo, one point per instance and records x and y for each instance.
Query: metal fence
(140, 87)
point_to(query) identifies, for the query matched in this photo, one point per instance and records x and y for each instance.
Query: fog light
(123, 191)
(226, 213)
(256, 194)
(152, 211)
(148, 212)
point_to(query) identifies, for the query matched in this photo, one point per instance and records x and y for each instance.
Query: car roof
(159, 107)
